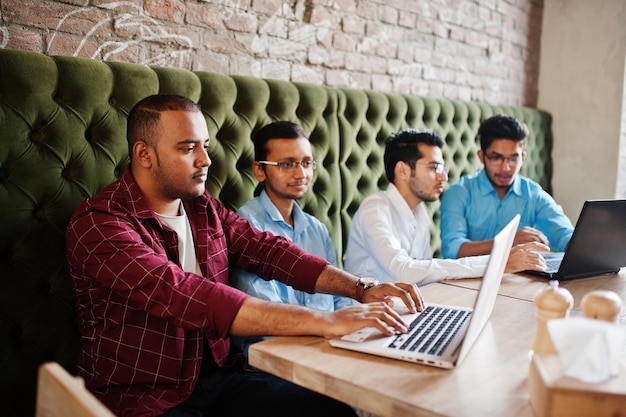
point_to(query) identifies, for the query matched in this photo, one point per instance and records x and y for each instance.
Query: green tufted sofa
(62, 138)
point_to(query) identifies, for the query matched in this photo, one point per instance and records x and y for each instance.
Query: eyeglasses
(289, 166)
(498, 159)
(435, 166)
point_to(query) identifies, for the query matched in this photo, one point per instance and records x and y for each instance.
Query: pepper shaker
(551, 302)
(602, 305)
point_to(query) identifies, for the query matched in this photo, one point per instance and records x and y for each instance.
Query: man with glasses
(478, 206)
(390, 232)
(284, 164)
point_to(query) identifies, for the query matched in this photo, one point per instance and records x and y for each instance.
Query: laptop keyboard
(553, 265)
(432, 331)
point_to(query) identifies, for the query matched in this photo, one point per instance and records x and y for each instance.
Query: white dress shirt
(390, 242)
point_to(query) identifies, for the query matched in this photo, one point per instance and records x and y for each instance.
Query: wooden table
(492, 380)
(525, 287)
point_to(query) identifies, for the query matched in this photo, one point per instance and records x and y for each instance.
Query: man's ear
(402, 170)
(143, 154)
(481, 156)
(259, 171)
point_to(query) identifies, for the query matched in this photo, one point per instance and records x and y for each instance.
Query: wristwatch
(362, 284)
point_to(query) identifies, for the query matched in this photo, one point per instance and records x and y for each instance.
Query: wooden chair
(60, 394)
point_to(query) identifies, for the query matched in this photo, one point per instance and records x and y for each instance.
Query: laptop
(597, 246)
(441, 335)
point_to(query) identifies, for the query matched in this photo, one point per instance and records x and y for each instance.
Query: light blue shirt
(309, 234)
(472, 211)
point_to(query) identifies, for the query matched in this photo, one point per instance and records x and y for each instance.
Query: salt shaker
(601, 305)
(551, 302)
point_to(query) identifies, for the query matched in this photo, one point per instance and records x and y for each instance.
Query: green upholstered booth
(62, 138)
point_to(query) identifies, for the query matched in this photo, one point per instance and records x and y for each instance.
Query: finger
(534, 246)
(412, 298)
(390, 324)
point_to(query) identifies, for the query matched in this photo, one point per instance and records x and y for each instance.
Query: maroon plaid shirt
(142, 318)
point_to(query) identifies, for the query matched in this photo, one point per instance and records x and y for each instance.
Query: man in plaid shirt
(149, 257)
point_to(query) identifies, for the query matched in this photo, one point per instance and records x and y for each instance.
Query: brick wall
(480, 50)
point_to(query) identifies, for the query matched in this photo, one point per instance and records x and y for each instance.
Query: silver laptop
(441, 335)
(597, 246)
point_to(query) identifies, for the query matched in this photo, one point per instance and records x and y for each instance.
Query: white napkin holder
(585, 377)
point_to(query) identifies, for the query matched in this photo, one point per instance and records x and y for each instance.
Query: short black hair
(275, 130)
(144, 118)
(403, 146)
(501, 126)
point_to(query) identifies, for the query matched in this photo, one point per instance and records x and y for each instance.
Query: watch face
(368, 281)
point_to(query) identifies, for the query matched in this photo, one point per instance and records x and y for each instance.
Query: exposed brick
(412, 6)
(180, 36)
(245, 40)
(267, 6)
(469, 15)
(230, 8)
(387, 50)
(464, 78)
(317, 55)
(457, 34)
(205, 15)
(346, 6)
(285, 49)
(65, 44)
(389, 14)
(407, 20)
(242, 23)
(352, 24)
(406, 52)
(344, 42)
(367, 10)
(360, 80)
(276, 70)
(224, 44)
(381, 82)
(337, 60)
(305, 34)
(18, 38)
(214, 62)
(274, 26)
(129, 53)
(441, 30)
(170, 10)
(423, 55)
(127, 4)
(53, 15)
(487, 50)
(339, 77)
(76, 2)
(435, 89)
(412, 70)
(306, 74)
(321, 14)
(425, 24)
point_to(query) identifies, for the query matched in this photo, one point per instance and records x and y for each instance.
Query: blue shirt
(310, 234)
(472, 211)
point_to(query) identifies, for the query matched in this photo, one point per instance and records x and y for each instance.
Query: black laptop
(597, 246)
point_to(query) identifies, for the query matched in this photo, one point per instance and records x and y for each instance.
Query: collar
(400, 204)
(136, 199)
(276, 216)
(486, 187)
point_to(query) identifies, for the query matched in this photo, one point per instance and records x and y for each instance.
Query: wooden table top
(491, 381)
(525, 287)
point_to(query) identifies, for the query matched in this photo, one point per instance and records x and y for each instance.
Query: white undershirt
(186, 249)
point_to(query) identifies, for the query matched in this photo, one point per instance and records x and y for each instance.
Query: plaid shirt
(142, 318)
